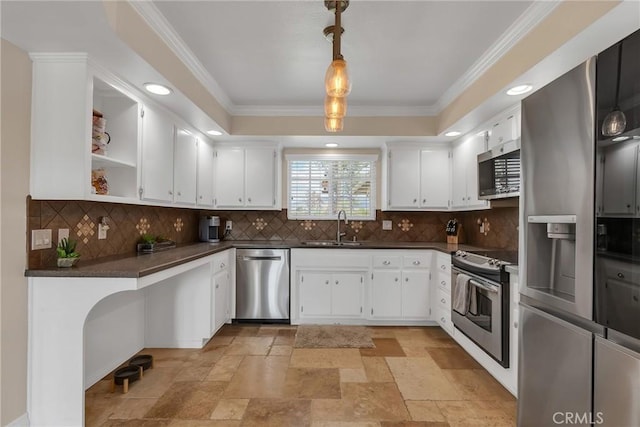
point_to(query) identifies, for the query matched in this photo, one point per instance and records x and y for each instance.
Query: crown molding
(156, 20)
(531, 17)
(59, 56)
(318, 110)
(534, 14)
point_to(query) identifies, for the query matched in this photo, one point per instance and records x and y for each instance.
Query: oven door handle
(488, 288)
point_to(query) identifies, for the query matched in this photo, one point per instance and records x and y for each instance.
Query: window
(321, 186)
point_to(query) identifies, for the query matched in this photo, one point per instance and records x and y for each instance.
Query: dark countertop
(139, 265)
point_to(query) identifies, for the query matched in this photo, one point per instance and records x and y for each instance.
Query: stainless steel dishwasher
(262, 285)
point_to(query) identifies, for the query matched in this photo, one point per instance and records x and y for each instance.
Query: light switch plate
(228, 225)
(41, 239)
(387, 224)
(63, 233)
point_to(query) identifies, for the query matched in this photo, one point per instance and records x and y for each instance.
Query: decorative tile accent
(143, 226)
(405, 225)
(356, 226)
(85, 229)
(259, 224)
(178, 224)
(308, 225)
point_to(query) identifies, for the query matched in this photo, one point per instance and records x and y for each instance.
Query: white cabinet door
(386, 294)
(347, 294)
(415, 294)
(435, 180)
(260, 177)
(229, 177)
(315, 294)
(404, 178)
(157, 156)
(459, 176)
(185, 167)
(619, 191)
(504, 130)
(221, 290)
(204, 183)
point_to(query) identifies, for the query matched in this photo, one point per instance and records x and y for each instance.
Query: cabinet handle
(249, 199)
(620, 276)
(416, 262)
(443, 320)
(469, 198)
(222, 265)
(444, 301)
(217, 286)
(239, 199)
(415, 200)
(386, 262)
(179, 193)
(337, 283)
(406, 279)
(200, 197)
(443, 283)
(396, 279)
(170, 192)
(326, 283)
(443, 267)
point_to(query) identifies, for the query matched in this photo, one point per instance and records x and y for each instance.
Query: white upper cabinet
(65, 91)
(419, 178)
(185, 167)
(505, 129)
(204, 183)
(247, 178)
(465, 173)
(435, 179)
(404, 178)
(157, 156)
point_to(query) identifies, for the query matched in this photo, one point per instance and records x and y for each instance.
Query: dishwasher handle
(261, 258)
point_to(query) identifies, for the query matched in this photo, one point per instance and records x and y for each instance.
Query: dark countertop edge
(133, 266)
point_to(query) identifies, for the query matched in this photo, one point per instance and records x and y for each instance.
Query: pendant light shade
(615, 122)
(333, 125)
(335, 107)
(337, 81)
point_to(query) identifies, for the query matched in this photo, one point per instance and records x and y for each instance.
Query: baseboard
(21, 421)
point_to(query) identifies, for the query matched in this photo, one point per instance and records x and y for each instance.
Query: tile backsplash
(128, 222)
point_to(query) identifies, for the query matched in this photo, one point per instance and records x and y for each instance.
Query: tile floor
(252, 376)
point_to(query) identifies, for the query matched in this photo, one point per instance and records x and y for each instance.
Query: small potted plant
(67, 255)
(147, 243)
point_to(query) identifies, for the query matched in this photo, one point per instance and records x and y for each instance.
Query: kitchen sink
(329, 243)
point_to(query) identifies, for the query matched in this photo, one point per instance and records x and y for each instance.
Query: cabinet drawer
(386, 261)
(444, 300)
(444, 281)
(443, 263)
(444, 320)
(416, 261)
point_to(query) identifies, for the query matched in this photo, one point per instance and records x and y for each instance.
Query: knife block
(456, 238)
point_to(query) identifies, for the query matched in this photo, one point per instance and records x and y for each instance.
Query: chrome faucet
(346, 221)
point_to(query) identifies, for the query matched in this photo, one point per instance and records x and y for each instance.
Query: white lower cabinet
(442, 291)
(220, 290)
(361, 286)
(331, 294)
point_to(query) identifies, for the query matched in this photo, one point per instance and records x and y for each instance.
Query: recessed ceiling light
(214, 132)
(331, 144)
(519, 90)
(621, 138)
(453, 133)
(157, 89)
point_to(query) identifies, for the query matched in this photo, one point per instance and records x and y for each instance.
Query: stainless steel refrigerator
(574, 367)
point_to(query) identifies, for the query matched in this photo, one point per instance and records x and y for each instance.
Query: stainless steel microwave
(499, 171)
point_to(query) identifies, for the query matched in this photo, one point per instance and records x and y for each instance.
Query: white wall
(15, 106)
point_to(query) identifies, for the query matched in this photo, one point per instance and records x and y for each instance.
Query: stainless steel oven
(480, 303)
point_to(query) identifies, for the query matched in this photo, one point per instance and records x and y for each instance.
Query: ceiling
(409, 59)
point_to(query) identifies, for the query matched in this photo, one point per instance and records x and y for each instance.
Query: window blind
(319, 189)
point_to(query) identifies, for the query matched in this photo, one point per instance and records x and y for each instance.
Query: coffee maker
(209, 226)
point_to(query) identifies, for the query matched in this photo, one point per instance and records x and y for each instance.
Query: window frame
(373, 158)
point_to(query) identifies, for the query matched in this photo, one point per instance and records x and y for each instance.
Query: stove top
(488, 263)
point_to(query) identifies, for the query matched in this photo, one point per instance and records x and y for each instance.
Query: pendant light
(337, 82)
(615, 122)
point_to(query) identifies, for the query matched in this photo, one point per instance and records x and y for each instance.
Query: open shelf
(100, 161)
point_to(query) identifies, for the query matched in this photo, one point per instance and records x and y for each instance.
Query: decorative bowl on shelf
(67, 262)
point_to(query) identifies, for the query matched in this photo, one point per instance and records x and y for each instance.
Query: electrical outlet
(41, 239)
(63, 233)
(228, 226)
(387, 224)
